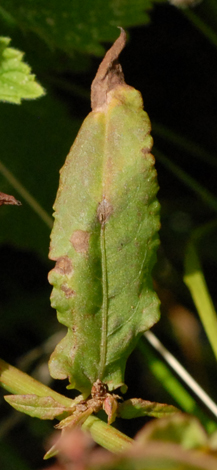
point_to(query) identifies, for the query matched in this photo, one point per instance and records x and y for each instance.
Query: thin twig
(181, 371)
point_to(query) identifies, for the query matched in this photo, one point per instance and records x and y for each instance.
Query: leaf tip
(6, 199)
(109, 74)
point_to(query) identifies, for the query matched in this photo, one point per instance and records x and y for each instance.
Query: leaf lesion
(109, 74)
(104, 211)
(63, 266)
(80, 241)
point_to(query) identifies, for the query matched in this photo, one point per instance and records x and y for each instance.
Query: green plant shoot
(104, 238)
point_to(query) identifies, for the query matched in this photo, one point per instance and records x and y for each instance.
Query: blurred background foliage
(171, 58)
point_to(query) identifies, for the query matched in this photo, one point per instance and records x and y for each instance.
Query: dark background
(174, 65)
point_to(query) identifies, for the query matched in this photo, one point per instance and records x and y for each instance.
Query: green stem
(174, 387)
(196, 283)
(106, 435)
(17, 382)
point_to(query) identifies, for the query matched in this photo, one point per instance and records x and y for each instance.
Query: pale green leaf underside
(136, 407)
(36, 406)
(102, 281)
(16, 80)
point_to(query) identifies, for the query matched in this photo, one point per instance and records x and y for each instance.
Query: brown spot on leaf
(145, 151)
(104, 211)
(80, 241)
(67, 291)
(109, 74)
(9, 200)
(63, 265)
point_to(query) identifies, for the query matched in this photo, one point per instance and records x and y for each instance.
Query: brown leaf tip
(109, 74)
(6, 199)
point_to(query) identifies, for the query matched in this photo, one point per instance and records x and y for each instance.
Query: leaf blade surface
(104, 238)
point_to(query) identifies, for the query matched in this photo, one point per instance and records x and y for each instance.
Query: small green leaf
(74, 419)
(52, 452)
(37, 407)
(136, 407)
(105, 237)
(16, 81)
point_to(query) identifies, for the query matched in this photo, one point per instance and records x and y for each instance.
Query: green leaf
(16, 81)
(136, 407)
(174, 443)
(68, 26)
(105, 238)
(165, 457)
(179, 428)
(15, 381)
(36, 406)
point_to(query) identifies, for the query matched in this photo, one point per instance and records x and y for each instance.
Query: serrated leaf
(136, 407)
(35, 406)
(16, 80)
(68, 26)
(104, 238)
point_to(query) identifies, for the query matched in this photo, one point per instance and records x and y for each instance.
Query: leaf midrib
(103, 344)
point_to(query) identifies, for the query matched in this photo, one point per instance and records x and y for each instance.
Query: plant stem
(181, 371)
(17, 382)
(106, 435)
(196, 283)
(174, 386)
